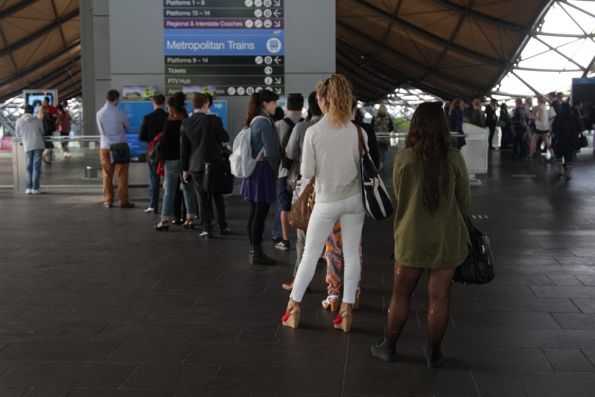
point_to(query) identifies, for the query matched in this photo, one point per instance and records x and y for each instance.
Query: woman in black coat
(566, 129)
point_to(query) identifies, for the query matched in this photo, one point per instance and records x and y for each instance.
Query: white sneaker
(35, 191)
(150, 210)
(28, 191)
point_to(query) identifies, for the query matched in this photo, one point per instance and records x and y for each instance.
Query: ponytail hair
(336, 91)
(255, 104)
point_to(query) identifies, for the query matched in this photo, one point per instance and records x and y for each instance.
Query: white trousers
(351, 213)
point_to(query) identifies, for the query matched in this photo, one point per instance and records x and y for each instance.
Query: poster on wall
(237, 46)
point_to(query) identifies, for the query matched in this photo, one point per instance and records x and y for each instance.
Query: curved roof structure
(449, 48)
(39, 46)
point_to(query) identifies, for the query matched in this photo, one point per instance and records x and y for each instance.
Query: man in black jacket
(152, 125)
(202, 136)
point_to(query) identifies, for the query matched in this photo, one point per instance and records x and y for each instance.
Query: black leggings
(256, 221)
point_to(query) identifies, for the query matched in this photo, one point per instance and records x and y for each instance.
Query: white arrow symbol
(278, 80)
(277, 3)
(277, 60)
(276, 13)
(278, 91)
(277, 24)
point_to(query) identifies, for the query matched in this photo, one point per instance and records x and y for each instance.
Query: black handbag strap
(362, 143)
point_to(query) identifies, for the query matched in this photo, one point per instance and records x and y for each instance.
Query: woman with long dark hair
(260, 189)
(432, 191)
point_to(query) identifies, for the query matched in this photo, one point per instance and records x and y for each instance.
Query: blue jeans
(33, 163)
(171, 183)
(154, 180)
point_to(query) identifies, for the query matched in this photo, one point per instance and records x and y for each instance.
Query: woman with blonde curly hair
(331, 155)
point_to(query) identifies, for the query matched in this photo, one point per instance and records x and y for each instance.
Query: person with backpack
(332, 158)
(293, 151)
(202, 136)
(151, 125)
(170, 153)
(285, 128)
(259, 187)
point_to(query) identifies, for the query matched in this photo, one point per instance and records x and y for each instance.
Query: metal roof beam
(527, 36)
(390, 71)
(479, 15)
(38, 34)
(22, 73)
(447, 44)
(380, 78)
(423, 68)
(16, 8)
(43, 80)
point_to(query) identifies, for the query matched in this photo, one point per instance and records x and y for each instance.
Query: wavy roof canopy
(445, 47)
(450, 48)
(39, 47)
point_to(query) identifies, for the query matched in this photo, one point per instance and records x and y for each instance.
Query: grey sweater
(332, 155)
(29, 129)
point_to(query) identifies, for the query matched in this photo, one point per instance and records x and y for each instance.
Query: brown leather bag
(303, 207)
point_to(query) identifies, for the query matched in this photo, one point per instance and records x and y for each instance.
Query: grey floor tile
(572, 360)
(575, 320)
(497, 384)
(278, 379)
(558, 384)
(172, 377)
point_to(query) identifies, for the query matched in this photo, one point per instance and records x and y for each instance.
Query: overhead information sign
(237, 46)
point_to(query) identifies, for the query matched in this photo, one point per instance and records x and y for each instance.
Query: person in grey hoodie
(29, 129)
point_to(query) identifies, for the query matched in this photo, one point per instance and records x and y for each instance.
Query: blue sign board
(238, 46)
(135, 111)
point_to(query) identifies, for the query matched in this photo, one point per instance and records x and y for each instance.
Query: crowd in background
(551, 125)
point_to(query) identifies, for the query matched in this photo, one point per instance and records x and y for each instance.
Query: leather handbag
(377, 201)
(478, 268)
(301, 210)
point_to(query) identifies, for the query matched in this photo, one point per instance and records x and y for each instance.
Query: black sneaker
(434, 359)
(225, 231)
(384, 350)
(127, 205)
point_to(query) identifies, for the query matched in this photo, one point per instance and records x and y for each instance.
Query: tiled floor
(93, 302)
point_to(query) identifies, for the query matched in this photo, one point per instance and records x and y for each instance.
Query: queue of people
(430, 179)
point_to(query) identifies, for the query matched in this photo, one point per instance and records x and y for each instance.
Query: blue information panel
(238, 46)
(135, 111)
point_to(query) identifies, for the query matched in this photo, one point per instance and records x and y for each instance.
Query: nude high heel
(291, 318)
(343, 319)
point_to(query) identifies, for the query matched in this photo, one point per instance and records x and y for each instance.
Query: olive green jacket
(424, 240)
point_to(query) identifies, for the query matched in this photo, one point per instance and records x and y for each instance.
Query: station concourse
(95, 302)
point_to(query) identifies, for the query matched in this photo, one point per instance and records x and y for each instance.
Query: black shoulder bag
(478, 268)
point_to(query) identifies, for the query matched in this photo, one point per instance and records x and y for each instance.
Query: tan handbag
(303, 207)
